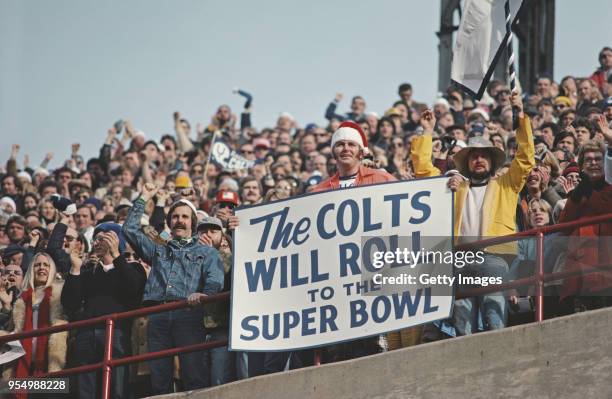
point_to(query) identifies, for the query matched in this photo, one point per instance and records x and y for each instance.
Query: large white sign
(298, 275)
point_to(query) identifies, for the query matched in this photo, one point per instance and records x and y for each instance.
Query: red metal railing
(540, 277)
(108, 362)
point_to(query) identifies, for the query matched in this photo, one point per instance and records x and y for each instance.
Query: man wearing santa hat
(349, 145)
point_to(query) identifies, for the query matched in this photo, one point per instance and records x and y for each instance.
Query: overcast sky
(69, 69)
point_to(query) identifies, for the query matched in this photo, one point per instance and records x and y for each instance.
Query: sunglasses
(227, 205)
(247, 152)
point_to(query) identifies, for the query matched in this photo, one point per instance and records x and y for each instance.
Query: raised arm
(142, 244)
(330, 112)
(524, 160)
(421, 149)
(183, 141)
(11, 164)
(55, 246)
(105, 150)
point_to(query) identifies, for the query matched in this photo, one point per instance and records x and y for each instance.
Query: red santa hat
(350, 131)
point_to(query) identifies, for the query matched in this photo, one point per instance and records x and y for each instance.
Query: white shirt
(348, 181)
(107, 268)
(471, 215)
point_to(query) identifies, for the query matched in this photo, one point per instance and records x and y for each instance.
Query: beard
(480, 175)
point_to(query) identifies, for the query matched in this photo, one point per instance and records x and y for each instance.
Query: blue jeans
(222, 364)
(493, 307)
(89, 348)
(242, 365)
(174, 329)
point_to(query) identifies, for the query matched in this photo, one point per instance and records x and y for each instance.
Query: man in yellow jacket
(485, 206)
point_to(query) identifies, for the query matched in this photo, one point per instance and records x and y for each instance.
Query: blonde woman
(38, 307)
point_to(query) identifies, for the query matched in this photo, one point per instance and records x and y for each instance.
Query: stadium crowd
(150, 221)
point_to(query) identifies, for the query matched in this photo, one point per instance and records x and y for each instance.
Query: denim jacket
(176, 270)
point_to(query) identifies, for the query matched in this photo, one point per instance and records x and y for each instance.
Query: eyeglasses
(130, 255)
(246, 152)
(593, 160)
(227, 205)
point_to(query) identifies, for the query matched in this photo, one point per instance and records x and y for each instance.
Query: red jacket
(588, 245)
(365, 176)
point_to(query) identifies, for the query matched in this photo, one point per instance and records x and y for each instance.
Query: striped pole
(511, 71)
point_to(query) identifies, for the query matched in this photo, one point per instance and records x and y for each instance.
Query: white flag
(10, 351)
(221, 154)
(481, 39)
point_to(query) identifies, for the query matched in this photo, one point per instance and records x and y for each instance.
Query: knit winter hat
(350, 131)
(571, 167)
(115, 228)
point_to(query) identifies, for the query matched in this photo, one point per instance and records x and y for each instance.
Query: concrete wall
(568, 357)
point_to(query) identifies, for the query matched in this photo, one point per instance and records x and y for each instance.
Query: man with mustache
(182, 269)
(485, 206)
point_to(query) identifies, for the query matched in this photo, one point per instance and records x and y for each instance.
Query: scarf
(24, 366)
(181, 242)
